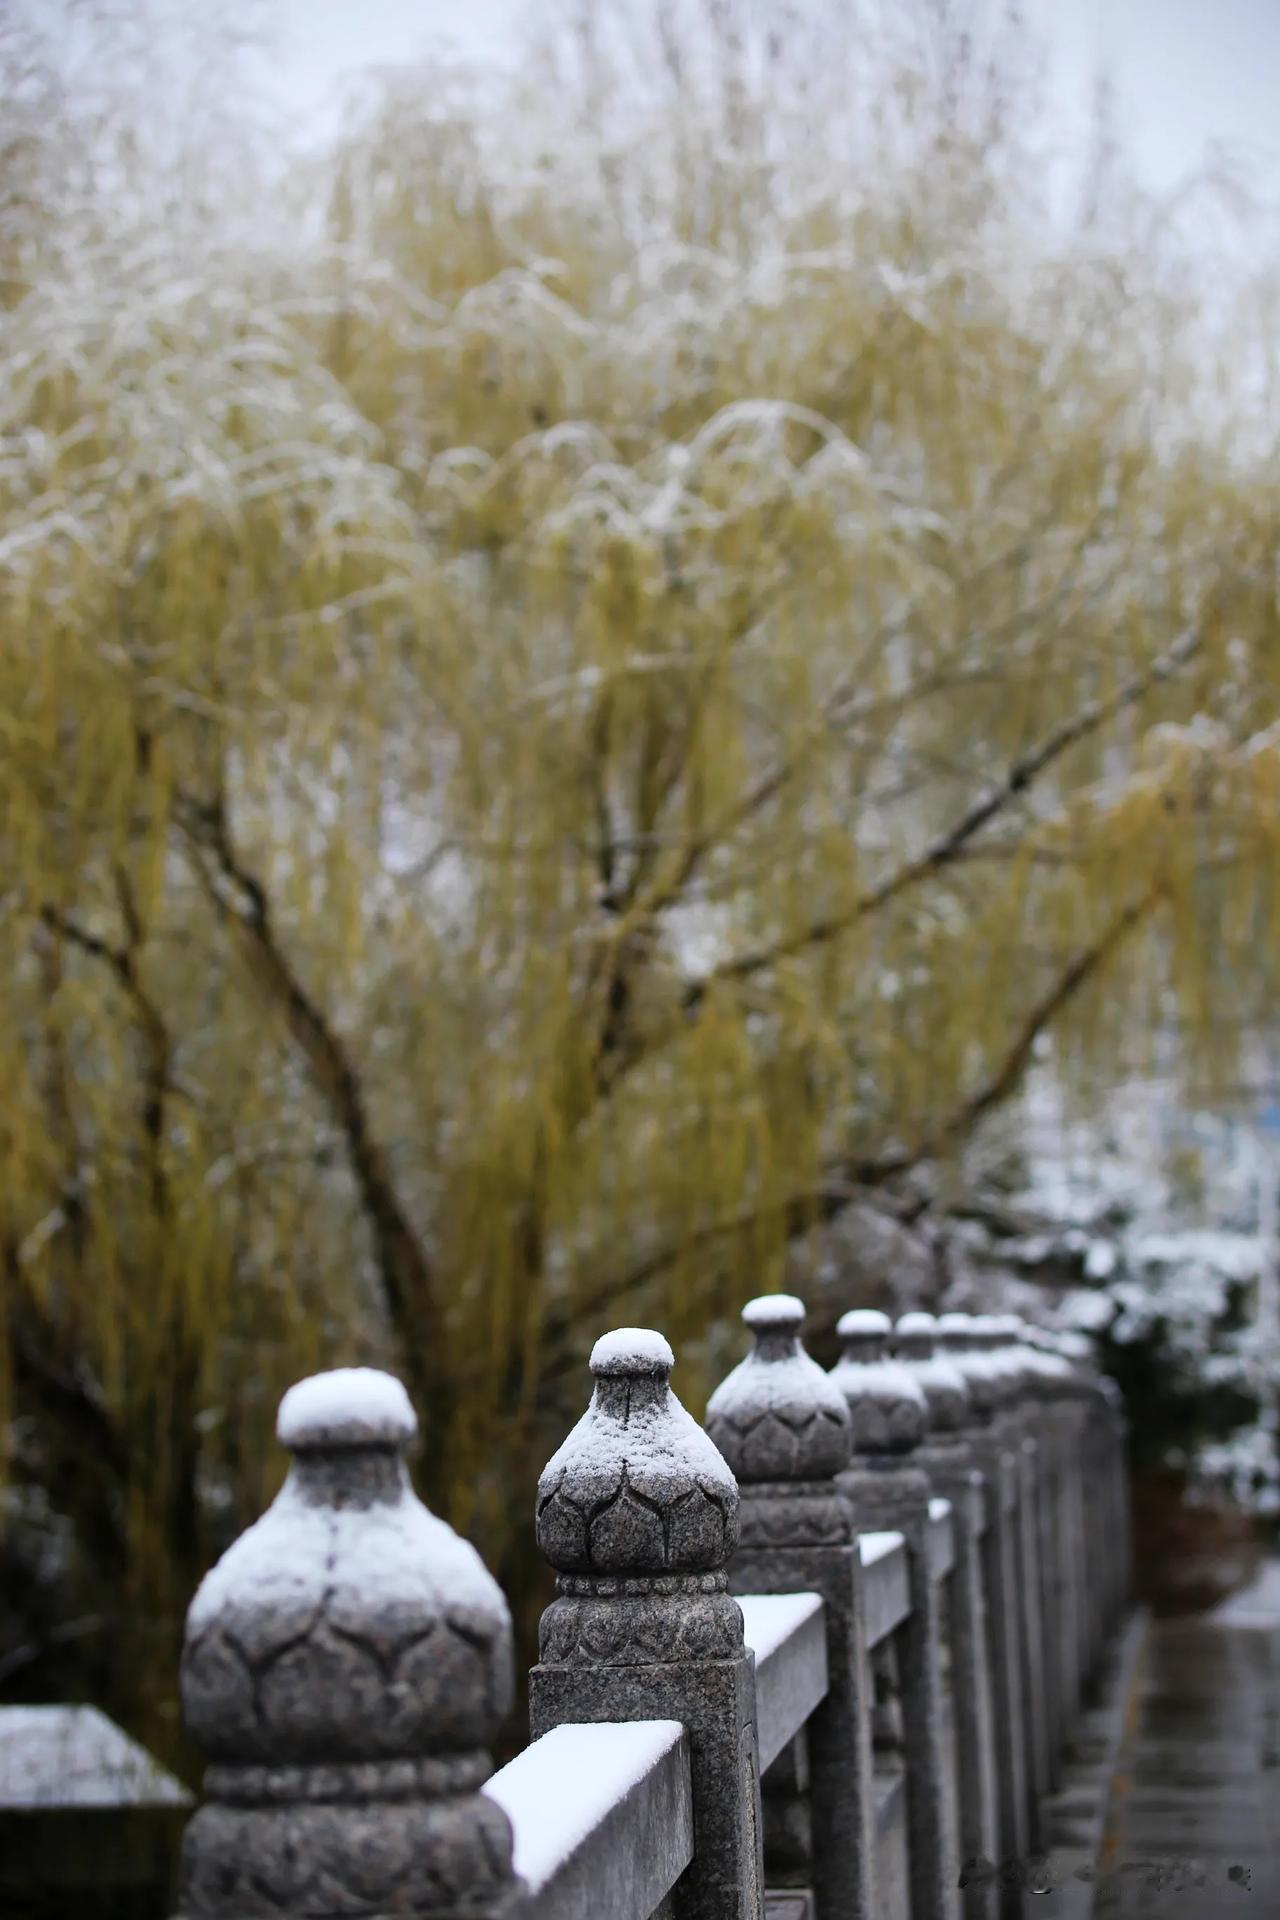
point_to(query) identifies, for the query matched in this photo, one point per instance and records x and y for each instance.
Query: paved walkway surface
(1193, 1829)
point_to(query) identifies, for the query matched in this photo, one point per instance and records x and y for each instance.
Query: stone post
(1055, 1465)
(946, 1456)
(347, 1663)
(1080, 1502)
(1097, 1523)
(784, 1428)
(1099, 1411)
(1103, 1530)
(1119, 1559)
(960, 1342)
(638, 1514)
(1110, 1501)
(1025, 1414)
(886, 1488)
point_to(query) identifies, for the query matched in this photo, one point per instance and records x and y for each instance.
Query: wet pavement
(1193, 1828)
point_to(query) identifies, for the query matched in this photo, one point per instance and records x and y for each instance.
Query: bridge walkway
(1193, 1824)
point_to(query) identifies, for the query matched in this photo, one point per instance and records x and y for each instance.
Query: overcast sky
(1188, 74)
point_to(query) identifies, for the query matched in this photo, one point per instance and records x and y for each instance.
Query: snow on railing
(787, 1635)
(886, 1584)
(601, 1818)
(807, 1662)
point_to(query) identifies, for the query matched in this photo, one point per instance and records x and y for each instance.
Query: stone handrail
(886, 1585)
(601, 1819)
(787, 1636)
(819, 1661)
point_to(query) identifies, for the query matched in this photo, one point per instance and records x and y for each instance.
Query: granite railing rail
(819, 1659)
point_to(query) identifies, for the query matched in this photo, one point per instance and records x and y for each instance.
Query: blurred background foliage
(590, 670)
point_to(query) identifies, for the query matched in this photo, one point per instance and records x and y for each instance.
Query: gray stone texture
(784, 1426)
(946, 1456)
(893, 1888)
(787, 1905)
(792, 1669)
(1066, 1422)
(964, 1344)
(886, 1489)
(1021, 1417)
(346, 1664)
(348, 1661)
(786, 1789)
(887, 1407)
(638, 1512)
(1054, 1465)
(623, 1860)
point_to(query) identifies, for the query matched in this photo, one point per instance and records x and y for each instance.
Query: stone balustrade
(819, 1661)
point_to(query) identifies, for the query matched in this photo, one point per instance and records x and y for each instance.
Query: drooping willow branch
(949, 845)
(849, 1178)
(408, 1279)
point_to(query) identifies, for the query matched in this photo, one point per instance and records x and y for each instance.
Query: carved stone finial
(962, 1339)
(778, 1416)
(783, 1426)
(1009, 1342)
(639, 1514)
(637, 1488)
(347, 1663)
(1075, 1354)
(887, 1407)
(915, 1344)
(996, 1338)
(1048, 1370)
(887, 1485)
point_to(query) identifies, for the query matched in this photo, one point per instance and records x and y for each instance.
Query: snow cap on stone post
(915, 1344)
(637, 1489)
(778, 1416)
(1077, 1347)
(987, 1342)
(639, 1515)
(1046, 1367)
(962, 1340)
(886, 1405)
(1009, 1336)
(347, 1663)
(783, 1426)
(1078, 1355)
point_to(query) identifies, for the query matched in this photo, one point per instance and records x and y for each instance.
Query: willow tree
(584, 694)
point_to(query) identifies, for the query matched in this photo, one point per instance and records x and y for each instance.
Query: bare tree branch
(948, 846)
(851, 1178)
(408, 1280)
(78, 1398)
(123, 961)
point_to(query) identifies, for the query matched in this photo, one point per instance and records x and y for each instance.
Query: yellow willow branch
(947, 846)
(845, 709)
(853, 1177)
(123, 962)
(408, 1279)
